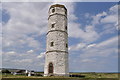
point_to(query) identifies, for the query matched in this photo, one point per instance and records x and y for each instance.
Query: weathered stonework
(57, 42)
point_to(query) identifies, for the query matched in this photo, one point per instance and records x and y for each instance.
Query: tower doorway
(50, 70)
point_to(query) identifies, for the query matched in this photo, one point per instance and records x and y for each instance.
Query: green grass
(98, 75)
(57, 79)
(88, 76)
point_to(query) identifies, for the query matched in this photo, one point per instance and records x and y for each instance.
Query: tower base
(67, 75)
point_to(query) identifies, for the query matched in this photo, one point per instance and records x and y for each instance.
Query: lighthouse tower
(56, 57)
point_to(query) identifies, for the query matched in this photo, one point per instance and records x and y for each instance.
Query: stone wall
(57, 42)
(60, 63)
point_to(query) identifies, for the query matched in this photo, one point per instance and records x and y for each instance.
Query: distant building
(31, 73)
(18, 71)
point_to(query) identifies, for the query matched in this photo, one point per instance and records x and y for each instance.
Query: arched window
(50, 66)
(53, 10)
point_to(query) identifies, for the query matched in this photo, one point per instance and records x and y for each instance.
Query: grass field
(98, 75)
(57, 79)
(88, 76)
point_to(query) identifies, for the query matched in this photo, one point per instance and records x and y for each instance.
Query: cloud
(22, 33)
(23, 23)
(87, 15)
(97, 17)
(91, 45)
(88, 60)
(109, 19)
(37, 24)
(110, 42)
(11, 53)
(95, 57)
(90, 34)
(28, 21)
(41, 56)
(14, 59)
(30, 51)
(77, 47)
(28, 24)
(114, 9)
(100, 48)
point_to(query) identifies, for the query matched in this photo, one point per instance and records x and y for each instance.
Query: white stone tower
(56, 58)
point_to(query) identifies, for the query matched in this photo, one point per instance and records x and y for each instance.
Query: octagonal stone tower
(56, 58)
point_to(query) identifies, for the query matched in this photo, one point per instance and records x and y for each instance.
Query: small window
(66, 12)
(53, 25)
(66, 45)
(66, 27)
(53, 10)
(52, 44)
